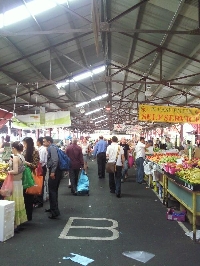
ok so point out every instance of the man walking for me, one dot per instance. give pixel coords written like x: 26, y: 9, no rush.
x: 140, y: 156
x: 74, y: 152
x: 115, y: 153
x: 100, y: 152
x: 55, y: 175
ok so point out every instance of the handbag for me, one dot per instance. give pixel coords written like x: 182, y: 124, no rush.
x: 7, y: 187
x: 36, y: 189
x: 27, y: 178
x: 111, y: 166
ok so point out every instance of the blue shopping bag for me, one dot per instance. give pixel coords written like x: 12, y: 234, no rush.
x: 83, y: 183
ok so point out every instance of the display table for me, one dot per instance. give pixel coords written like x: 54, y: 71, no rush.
x: 187, y: 196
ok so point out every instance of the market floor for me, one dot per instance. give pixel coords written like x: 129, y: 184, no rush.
x: 104, y: 227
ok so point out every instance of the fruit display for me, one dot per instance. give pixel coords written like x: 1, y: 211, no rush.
x: 3, y: 170
x: 184, y: 168
x: 191, y: 175
x: 163, y: 158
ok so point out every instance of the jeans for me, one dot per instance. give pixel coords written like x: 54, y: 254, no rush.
x: 101, y: 161
x: 53, y: 185
x: 115, y: 180
x: 140, y: 169
x: 73, y: 175
x: 124, y: 169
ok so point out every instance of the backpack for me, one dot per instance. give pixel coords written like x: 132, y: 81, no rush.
x: 63, y: 160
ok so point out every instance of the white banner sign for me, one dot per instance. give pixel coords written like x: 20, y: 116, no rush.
x: 127, y: 128
x: 52, y: 120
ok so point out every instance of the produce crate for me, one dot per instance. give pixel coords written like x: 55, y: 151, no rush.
x: 174, y: 215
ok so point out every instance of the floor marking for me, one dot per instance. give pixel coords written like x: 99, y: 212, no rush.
x: 69, y: 226
x: 183, y: 227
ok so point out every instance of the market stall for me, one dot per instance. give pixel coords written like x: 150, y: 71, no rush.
x: 179, y: 177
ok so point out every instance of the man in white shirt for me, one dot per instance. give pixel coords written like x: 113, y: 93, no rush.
x: 43, y: 161
x: 115, y: 153
x: 140, y: 156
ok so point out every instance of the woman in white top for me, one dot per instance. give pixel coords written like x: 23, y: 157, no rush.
x: 85, y: 150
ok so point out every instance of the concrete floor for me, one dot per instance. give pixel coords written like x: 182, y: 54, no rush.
x: 135, y: 222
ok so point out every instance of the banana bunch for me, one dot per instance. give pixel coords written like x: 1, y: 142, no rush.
x: 3, y: 170
x: 190, y: 175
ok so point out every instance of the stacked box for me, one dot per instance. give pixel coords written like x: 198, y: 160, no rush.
x: 7, y: 215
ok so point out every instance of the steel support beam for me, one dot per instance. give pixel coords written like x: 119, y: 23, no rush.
x: 127, y: 11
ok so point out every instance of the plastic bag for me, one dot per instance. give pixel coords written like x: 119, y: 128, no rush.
x: 36, y: 189
x: 7, y: 187
x: 83, y: 183
x: 27, y: 178
x: 141, y: 256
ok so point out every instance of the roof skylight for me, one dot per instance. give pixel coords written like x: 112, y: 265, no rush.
x: 94, y: 111
x: 81, y: 76
x: 22, y: 12
x: 93, y: 100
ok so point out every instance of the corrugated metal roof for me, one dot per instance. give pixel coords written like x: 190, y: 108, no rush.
x: 68, y: 40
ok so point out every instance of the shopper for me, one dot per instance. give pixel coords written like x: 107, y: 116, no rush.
x: 75, y: 154
x: 126, y: 149
x: 197, y: 151
x: 32, y: 159
x: 43, y: 161
x: 100, y: 153
x: 86, y: 151
x: 55, y: 175
x: 16, y: 168
x: 140, y: 156
x: 169, y: 144
x: 189, y: 149
x: 115, y: 153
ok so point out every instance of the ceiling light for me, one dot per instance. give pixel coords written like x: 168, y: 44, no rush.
x: 94, y: 111
x: 98, y: 117
x: 92, y: 100
x: 101, y: 121
x: 81, y: 104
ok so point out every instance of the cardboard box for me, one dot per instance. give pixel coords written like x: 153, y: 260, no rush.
x: 175, y: 215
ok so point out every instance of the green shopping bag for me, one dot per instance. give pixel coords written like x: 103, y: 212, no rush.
x: 27, y: 178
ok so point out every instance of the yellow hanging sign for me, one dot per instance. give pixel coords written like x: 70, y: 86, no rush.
x: 169, y: 114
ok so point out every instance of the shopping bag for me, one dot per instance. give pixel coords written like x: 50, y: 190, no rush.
x: 110, y: 167
x: 83, y: 183
x: 130, y: 161
x: 39, y: 170
x: 27, y: 178
x: 36, y: 189
x: 7, y: 187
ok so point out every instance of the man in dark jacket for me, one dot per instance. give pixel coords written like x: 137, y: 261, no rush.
x: 55, y: 175
x: 74, y: 152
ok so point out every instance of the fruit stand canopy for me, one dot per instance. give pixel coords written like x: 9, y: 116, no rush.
x: 109, y: 56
